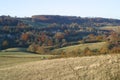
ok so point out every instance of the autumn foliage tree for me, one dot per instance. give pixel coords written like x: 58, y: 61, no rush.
x: 5, y: 44
x: 115, y: 50
x: 42, y: 50
x: 37, y: 49
x: 24, y: 36
x: 59, y: 35
x: 32, y: 48
x: 105, y: 49
x: 99, y: 38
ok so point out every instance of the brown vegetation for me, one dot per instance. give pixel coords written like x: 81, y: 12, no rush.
x: 103, y: 67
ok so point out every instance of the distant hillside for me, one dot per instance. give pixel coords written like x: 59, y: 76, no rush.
x: 44, y: 20
x: 73, y: 19
x: 8, y: 21
x: 81, y: 47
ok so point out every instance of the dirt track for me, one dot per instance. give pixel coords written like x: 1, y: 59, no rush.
x: 103, y: 67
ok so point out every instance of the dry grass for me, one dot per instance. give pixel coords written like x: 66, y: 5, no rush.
x: 92, y: 46
x: 15, y: 50
x: 103, y: 67
x: 110, y: 27
x: 8, y: 59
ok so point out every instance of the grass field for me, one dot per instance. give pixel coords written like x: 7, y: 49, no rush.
x: 8, y: 59
x: 103, y: 67
x: 82, y: 47
x: 35, y: 24
x: 14, y: 56
x: 110, y: 27
x: 16, y: 64
x: 15, y: 50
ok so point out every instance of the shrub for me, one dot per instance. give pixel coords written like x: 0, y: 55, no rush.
x: 32, y: 48
x: 38, y: 49
x: 87, y: 51
x: 104, y: 50
x: 73, y: 53
x: 42, y: 50
x: 115, y: 50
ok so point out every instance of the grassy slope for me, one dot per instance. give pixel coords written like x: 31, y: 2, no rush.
x: 36, y: 24
x: 15, y: 50
x: 8, y: 59
x: 82, y: 47
x: 103, y: 67
x: 110, y: 27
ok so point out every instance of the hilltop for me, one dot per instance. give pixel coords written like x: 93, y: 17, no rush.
x: 43, y: 19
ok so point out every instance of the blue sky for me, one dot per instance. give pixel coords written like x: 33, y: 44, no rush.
x: 83, y: 8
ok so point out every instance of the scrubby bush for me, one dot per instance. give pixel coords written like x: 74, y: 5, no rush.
x: 115, y: 50
x: 87, y: 51
x: 38, y: 49
x: 104, y: 50
x: 32, y: 48
x: 74, y: 53
x: 42, y: 50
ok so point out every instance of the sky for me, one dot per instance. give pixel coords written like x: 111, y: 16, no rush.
x: 82, y: 8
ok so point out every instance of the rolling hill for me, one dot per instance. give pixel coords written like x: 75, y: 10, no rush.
x: 44, y: 20
x: 103, y: 67
x: 81, y: 47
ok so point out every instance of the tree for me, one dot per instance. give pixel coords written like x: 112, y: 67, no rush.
x: 57, y: 43
x: 59, y: 35
x: 5, y: 44
x: 105, y: 49
x: 6, y: 28
x: 114, y: 37
x: 42, y: 50
x: 115, y: 50
x: 64, y: 43
x: 91, y: 37
x: 32, y: 48
x: 24, y: 37
x: 99, y: 38
x: 50, y: 43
